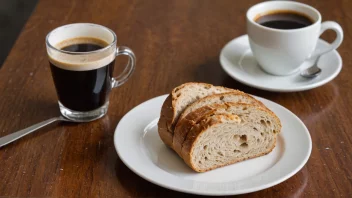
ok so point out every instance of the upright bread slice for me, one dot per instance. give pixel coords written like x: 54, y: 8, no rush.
x: 221, y: 98
x: 178, y: 100
x: 194, y: 113
x: 217, y: 141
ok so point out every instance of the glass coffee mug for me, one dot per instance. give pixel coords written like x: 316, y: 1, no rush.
x: 82, y: 58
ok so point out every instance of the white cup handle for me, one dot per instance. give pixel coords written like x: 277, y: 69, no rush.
x: 330, y: 25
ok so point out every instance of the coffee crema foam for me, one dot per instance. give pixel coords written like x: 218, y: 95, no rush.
x: 81, y: 62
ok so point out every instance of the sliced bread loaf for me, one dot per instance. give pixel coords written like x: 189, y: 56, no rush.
x: 194, y: 113
x: 181, y: 97
x: 233, y: 133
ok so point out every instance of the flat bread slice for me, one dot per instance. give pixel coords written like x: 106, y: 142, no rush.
x: 194, y: 113
x: 219, y: 139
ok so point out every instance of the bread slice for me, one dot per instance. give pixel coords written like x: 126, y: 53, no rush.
x: 194, y: 113
x: 235, y: 97
x: 178, y: 100
x: 232, y: 133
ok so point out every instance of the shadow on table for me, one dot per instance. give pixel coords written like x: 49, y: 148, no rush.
x: 34, y: 110
x: 139, y: 187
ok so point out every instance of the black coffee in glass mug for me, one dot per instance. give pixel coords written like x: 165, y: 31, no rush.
x: 82, y: 58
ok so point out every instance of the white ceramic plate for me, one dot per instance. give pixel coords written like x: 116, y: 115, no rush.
x: 138, y: 145
x: 237, y: 60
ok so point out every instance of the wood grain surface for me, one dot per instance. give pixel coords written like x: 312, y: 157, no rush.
x: 175, y: 41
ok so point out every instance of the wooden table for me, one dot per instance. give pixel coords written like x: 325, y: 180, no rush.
x: 175, y: 42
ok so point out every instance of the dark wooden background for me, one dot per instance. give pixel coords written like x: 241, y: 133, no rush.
x: 13, y: 16
x: 175, y: 41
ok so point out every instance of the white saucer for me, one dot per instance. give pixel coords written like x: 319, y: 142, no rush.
x: 138, y: 145
x: 238, y: 61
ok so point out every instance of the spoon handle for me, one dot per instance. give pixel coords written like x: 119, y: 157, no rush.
x: 17, y: 135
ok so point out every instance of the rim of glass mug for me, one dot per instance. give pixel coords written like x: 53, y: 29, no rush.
x: 61, y: 28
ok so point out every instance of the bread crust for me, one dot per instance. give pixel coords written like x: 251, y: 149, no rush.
x: 165, y: 117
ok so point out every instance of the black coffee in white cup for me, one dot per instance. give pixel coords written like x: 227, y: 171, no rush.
x: 284, y: 34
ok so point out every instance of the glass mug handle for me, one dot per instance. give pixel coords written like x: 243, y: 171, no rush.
x: 330, y: 25
x: 127, y: 72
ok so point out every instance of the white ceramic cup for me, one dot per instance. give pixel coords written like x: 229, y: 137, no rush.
x: 282, y: 51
